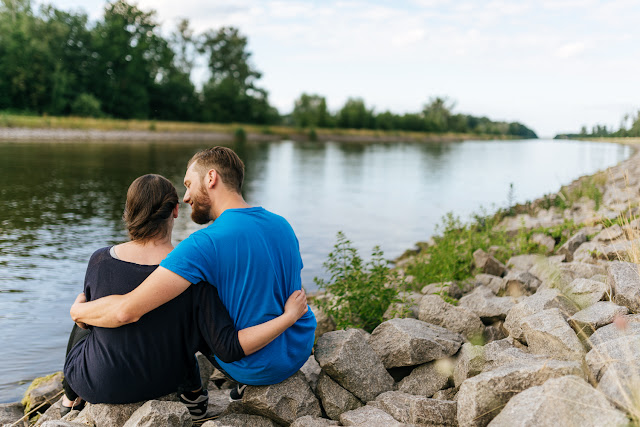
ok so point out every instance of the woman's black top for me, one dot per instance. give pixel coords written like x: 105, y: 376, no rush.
x: 155, y: 355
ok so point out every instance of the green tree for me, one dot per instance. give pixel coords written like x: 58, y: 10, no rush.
x: 436, y: 114
x: 354, y: 115
x: 311, y: 111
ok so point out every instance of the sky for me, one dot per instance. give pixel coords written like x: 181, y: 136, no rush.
x: 554, y: 65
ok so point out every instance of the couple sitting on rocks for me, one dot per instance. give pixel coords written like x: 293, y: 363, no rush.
x: 231, y: 290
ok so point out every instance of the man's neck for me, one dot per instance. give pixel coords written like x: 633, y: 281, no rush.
x: 230, y: 201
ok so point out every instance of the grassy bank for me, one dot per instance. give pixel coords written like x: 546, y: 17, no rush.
x: 279, y: 132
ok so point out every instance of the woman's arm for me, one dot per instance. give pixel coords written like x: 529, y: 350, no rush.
x: 256, y: 337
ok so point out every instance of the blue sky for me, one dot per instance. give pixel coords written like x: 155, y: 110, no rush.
x: 554, y: 65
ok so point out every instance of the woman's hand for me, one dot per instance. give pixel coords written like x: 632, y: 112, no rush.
x: 296, y: 306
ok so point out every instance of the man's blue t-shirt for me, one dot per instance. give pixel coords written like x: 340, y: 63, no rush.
x: 252, y: 256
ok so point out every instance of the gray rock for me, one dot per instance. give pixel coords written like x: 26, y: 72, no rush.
x: 579, y: 270
x: 470, y: 363
x: 487, y: 280
x: 60, y: 423
x: 409, y: 342
x: 408, y: 306
x: 623, y: 251
x: 105, y: 415
x: 218, y: 401
x: 442, y: 288
x: 548, y: 333
x: 523, y: 263
x: 43, y: 391
x: 351, y: 362
x: 368, y: 416
x: 484, y: 304
x: 518, y: 283
x: 324, y: 322
x: 587, y: 252
x: 481, y: 398
x: 52, y: 413
x: 547, y: 242
x: 155, y: 413
x: 206, y: 369
x: 495, y: 332
x: 624, y: 349
x: 446, y: 394
x: 613, y: 331
x: 541, y: 300
x: 488, y: 264
x: 460, y: 320
x: 427, y: 379
x: 585, y: 322
x: 585, y: 292
x: 572, y: 244
x: 506, y: 352
x: 565, y: 401
x: 620, y: 383
x: 335, y: 399
x: 309, y: 421
x: 311, y: 370
x: 408, y: 408
x: 283, y: 402
x: 241, y: 420
x: 10, y: 412
x: 609, y: 234
x: 624, y: 278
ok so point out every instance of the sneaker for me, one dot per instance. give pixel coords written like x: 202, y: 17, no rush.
x: 237, y: 392
x: 64, y: 410
x: 196, y: 403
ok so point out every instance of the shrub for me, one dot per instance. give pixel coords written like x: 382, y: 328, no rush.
x: 240, y: 135
x: 358, y: 293
x: 86, y: 105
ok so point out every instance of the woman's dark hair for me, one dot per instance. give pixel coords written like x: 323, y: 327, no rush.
x: 150, y: 201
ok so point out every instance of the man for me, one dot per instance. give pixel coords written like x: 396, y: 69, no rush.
x: 251, y: 255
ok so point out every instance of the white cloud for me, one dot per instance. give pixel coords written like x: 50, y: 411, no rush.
x: 569, y: 50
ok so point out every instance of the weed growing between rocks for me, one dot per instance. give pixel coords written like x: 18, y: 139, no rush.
x: 358, y: 293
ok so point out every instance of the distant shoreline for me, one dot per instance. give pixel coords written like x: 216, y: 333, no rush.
x: 59, y: 129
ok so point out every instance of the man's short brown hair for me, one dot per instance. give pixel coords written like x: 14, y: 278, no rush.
x: 225, y: 162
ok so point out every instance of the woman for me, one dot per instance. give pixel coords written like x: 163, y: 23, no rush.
x: 155, y: 356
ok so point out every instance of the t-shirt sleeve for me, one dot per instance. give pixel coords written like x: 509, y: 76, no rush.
x: 191, y: 258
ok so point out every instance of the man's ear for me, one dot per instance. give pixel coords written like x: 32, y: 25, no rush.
x: 212, y: 178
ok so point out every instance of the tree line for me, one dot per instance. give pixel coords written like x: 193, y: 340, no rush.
x: 629, y: 127
x: 57, y: 62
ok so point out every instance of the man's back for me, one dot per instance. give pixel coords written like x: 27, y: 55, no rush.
x: 253, y: 258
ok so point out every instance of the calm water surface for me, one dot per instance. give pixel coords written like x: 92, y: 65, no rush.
x: 61, y: 201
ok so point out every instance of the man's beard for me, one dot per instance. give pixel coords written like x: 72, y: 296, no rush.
x: 201, y: 208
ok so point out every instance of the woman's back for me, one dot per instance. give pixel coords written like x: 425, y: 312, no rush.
x: 139, y: 361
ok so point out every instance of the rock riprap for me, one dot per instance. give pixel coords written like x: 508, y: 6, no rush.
x: 350, y: 361
x: 624, y: 278
x: 565, y: 401
x: 412, y: 409
x: 434, y: 310
x: 335, y: 399
x: 409, y: 342
x: 548, y: 333
x: 482, y: 397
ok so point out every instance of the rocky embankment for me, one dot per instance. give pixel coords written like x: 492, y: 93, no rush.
x: 541, y: 340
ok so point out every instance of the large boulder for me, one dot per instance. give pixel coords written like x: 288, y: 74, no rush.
x: 626, y: 326
x: 283, y: 402
x: 218, y: 401
x: 42, y: 392
x: 624, y: 278
x: 565, y: 401
x: 335, y: 399
x: 542, y: 300
x: 427, y: 379
x: 471, y: 360
x: 352, y: 362
x: 409, y: 408
x: 488, y: 264
x: 324, y: 322
x: 621, y: 250
x: 624, y: 349
x: 585, y: 322
x: 11, y: 412
x: 106, y: 415
x: 460, y: 320
x: 369, y: 416
x: 548, y: 333
x: 523, y: 262
x: 609, y: 234
x: 409, y: 342
x: 572, y: 244
x: 585, y: 292
x: 620, y: 383
x: 518, y: 283
x: 241, y: 420
x: 484, y: 304
x: 309, y: 421
x: 155, y: 413
x: 482, y: 397
x: 545, y: 241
